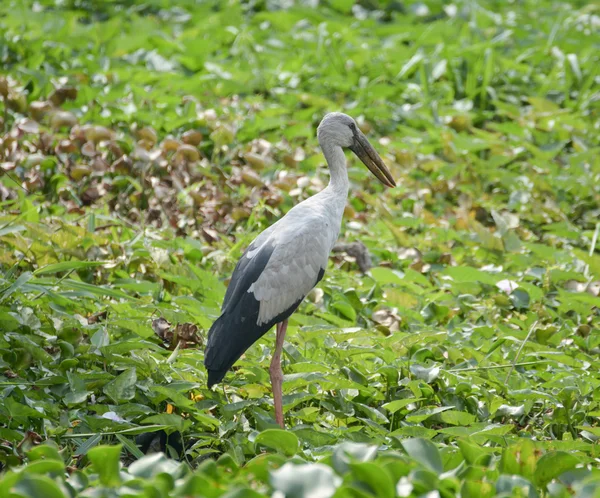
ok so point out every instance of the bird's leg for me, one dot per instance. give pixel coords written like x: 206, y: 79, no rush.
x: 277, y: 373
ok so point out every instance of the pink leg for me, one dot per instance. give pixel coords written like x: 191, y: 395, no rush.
x: 277, y: 373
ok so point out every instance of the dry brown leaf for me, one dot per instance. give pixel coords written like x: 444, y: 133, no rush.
x: 192, y: 137
x: 62, y: 119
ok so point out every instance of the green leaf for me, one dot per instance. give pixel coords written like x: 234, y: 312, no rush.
x: 455, y: 417
x: 425, y: 413
x: 56, y: 467
x: 375, y: 477
x: 105, y: 460
x: 426, y: 374
x: 152, y: 465
x: 348, y: 452
x: 515, y: 486
x: 385, y: 275
x: 520, y: 459
x: 282, y: 441
x: 122, y: 388
x: 47, y: 451
x: 553, y: 464
x: 300, y: 481
x: 424, y: 452
x: 169, y: 420
x: 394, y: 406
x: 467, y: 274
x: 35, y: 486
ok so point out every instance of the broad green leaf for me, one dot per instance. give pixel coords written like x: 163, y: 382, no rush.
x: 374, y: 477
x: 122, y: 388
x: 46, y: 467
x: 520, y: 459
x: 425, y: 413
x: 455, y: 417
x: 105, y: 460
x: 553, y: 464
x: 394, y: 406
x: 299, y: 481
x: 46, y: 451
x: 348, y: 452
x: 283, y: 441
x: 515, y: 485
x: 424, y: 452
x: 152, y: 465
x: 33, y: 485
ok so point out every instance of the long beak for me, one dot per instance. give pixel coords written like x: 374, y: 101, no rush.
x: 368, y: 155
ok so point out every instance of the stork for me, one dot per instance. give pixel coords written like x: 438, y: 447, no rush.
x: 281, y: 266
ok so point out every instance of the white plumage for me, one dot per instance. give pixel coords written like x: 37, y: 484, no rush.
x: 302, y: 242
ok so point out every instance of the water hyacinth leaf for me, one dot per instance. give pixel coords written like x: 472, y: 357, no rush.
x: 46, y: 467
x: 171, y: 421
x: 122, y: 388
x: 374, y: 477
x: 415, y: 431
x: 152, y: 465
x: 386, y: 276
x: 510, y: 411
x: 520, y: 459
x: 283, y: 441
x: 372, y: 413
x: 552, y: 465
x: 425, y: 413
x: 347, y: 452
x: 455, y: 417
x: 394, y: 406
x: 32, y: 485
x: 46, y: 451
x: 520, y: 299
x: 514, y: 484
x: 105, y: 460
x: 299, y: 481
x: 315, y: 438
x: 426, y: 374
x: 424, y: 452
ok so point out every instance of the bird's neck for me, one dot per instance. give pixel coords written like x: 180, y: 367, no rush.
x: 338, y: 181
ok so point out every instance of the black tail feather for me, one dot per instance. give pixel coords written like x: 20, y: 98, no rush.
x: 233, y: 333
x: 215, y: 376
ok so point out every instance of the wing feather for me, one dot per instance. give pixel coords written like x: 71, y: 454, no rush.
x: 269, y: 282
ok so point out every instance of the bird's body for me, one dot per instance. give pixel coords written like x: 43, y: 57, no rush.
x: 283, y: 264
x: 275, y: 273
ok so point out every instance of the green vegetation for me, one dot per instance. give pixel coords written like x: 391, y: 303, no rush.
x: 144, y: 144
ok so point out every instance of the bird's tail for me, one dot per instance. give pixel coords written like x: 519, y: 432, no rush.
x: 233, y: 333
x: 214, y: 358
x: 215, y: 376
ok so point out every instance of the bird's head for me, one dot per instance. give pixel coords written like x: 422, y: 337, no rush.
x: 338, y: 129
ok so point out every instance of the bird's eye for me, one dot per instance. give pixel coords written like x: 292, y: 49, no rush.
x: 353, y: 127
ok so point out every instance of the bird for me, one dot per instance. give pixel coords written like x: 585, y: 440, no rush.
x: 284, y: 262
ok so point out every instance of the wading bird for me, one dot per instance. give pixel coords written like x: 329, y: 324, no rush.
x: 288, y: 259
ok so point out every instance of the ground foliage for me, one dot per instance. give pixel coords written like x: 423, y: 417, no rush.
x: 144, y: 144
